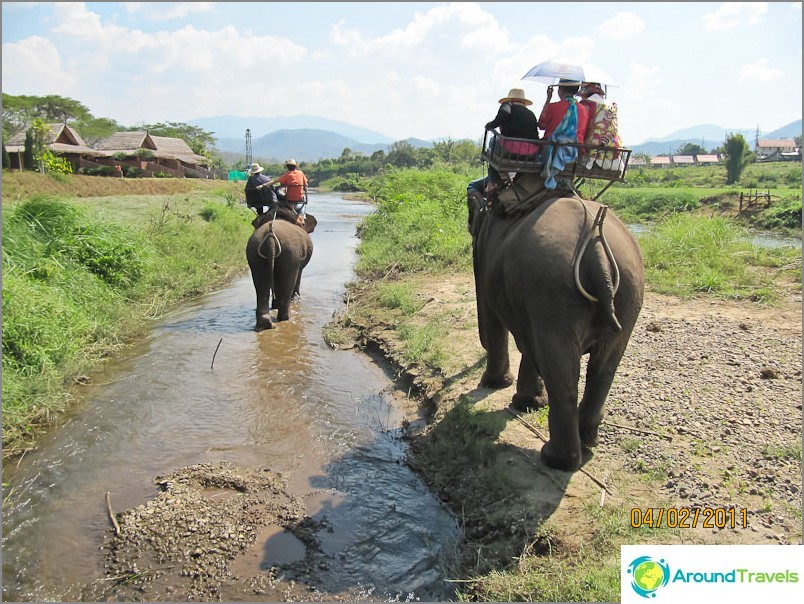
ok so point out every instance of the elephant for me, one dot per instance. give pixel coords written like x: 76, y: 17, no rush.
x: 277, y: 253
x: 529, y: 284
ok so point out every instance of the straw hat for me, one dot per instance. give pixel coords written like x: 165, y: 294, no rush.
x: 516, y: 95
x: 255, y: 169
x: 291, y: 162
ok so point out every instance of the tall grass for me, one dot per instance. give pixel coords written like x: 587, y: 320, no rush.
x: 687, y: 255
x: 419, y: 225
x: 77, y: 285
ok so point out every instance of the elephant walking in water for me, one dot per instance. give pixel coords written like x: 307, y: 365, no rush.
x: 545, y: 275
x: 277, y: 253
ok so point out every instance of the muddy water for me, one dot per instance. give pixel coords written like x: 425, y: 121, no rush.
x: 280, y: 399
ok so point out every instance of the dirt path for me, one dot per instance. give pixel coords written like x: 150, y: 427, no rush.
x: 705, y: 413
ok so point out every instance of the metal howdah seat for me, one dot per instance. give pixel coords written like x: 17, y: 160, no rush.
x: 507, y: 154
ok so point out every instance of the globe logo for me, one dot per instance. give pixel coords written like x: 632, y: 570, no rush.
x: 648, y: 575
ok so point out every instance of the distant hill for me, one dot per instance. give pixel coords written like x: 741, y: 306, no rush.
x: 709, y: 137
x: 234, y: 127
x: 304, y: 144
x: 310, y: 138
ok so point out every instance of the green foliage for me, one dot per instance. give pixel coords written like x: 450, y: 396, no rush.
x: 196, y: 138
x: 94, y: 130
x: 785, y: 214
x: 737, y: 151
x: 688, y: 254
x: 420, y: 223
x: 399, y: 295
x: 76, y: 285
x: 640, y: 205
x: 55, y: 165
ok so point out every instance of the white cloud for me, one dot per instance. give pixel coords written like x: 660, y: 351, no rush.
x: 471, y: 25
x: 167, y: 10
x: 733, y: 14
x: 761, y: 71
x: 34, y: 66
x: 622, y: 26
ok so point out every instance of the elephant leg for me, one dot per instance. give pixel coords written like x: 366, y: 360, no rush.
x: 530, y: 394
x: 285, y: 282
x: 296, y: 288
x: 261, y: 277
x: 498, y: 366
x: 603, y: 362
x: 561, y: 375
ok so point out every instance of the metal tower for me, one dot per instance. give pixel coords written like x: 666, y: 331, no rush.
x: 248, y: 147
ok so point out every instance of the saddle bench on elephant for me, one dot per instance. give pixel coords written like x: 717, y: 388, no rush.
x: 281, y: 211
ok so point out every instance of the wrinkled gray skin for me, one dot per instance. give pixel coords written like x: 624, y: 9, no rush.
x: 277, y: 272
x: 525, y: 285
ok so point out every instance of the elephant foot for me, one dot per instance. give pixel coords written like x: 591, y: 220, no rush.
x: 589, y: 437
x: 526, y: 404
x: 587, y: 429
x: 283, y: 317
x: 264, y: 322
x: 553, y: 459
x: 496, y: 381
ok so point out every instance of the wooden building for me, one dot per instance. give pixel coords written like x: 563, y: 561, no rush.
x: 62, y: 141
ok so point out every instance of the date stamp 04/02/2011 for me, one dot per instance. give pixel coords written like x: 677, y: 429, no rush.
x: 703, y: 517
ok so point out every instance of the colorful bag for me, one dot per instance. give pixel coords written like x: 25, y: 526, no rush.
x: 602, y: 131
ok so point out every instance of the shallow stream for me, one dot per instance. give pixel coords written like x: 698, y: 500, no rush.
x: 280, y: 399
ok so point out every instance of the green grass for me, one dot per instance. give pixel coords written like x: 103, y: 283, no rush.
x: 79, y: 281
x: 687, y: 255
x: 419, y: 225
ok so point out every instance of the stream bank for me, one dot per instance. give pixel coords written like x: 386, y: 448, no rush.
x: 705, y: 413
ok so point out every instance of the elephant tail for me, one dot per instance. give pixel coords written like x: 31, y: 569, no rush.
x: 603, y: 271
x: 274, y: 253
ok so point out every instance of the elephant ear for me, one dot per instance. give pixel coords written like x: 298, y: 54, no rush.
x: 309, y: 223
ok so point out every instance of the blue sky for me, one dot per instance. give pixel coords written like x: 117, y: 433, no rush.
x: 427, y: 70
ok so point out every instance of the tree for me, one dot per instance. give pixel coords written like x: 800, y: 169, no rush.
x: 93, y: 130
x: 402, y: 154
x: 690, y: 149
x: 197, y: 138
x: 39, y: 130
x: 17, y: 113
x: 28, y: 151
x: 59, y: 108
x: 736, y: 150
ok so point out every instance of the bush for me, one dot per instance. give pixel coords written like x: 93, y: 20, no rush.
x: 101, y: 171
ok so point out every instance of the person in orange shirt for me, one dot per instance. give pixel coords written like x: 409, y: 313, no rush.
x: 296, y: 183
x: 553, y: 113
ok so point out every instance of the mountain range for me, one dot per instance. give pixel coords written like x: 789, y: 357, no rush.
x: 311, y: 138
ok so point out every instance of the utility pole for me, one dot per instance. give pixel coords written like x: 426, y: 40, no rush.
x: 248, y: 148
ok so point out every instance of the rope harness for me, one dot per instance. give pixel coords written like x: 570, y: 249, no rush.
x: 597, y: 222
x: 264, y: 239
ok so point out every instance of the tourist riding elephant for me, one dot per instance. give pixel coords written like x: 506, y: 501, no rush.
x: 528, y: 283
x: 277, y: 252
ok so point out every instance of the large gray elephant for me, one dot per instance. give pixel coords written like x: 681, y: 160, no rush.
x: 277, y: 252
x: 528, y: 283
